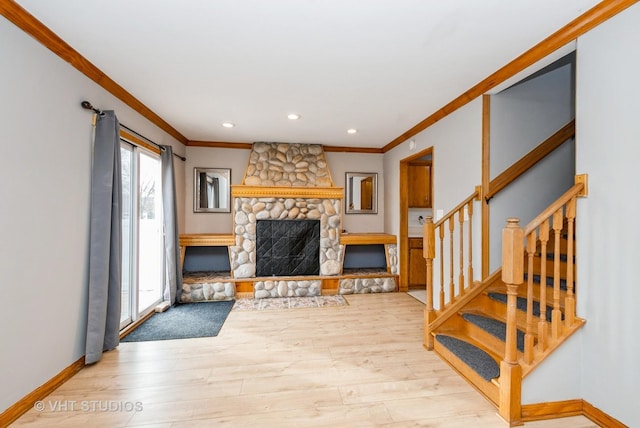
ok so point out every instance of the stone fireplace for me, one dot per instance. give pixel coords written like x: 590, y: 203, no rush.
x: 286, y: 182
x: 289, y: 186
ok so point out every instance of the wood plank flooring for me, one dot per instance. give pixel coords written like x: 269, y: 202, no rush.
x: 358, y: 365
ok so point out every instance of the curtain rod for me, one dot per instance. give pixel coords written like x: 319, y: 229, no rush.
x: 87, y: 106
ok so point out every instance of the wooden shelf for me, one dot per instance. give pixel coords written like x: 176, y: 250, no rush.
x: 203, y: 240
x: 207, y: 240
x: 367, y: 238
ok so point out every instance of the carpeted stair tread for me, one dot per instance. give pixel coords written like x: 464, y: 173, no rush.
x: 474, y: 357
x: 495, y: 328
x: 522, y: 304
x: 536, y: 278
x: 563, y: 257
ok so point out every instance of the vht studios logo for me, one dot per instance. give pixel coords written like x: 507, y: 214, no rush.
x: 87, y: 406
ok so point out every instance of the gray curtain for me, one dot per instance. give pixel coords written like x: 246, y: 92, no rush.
x: 173, y: 270
x: 105, y: 247
x: 204, y: 190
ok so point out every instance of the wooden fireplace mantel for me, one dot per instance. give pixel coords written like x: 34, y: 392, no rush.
x: 239, y: 191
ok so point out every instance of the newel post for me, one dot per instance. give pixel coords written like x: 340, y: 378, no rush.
x: 429, y: 253
x: 512, y: 275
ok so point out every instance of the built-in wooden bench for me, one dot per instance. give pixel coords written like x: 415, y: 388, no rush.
x: 204, y: 240
x: 355, y: 276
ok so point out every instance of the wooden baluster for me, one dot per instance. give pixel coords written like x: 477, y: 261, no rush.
x: 556, y: 314
x: 528, y: 337
x: 461, y: 233
x: 452, y: 285
x: 469, y: 219
x: 429, y: 253
x: 510, y: 407
x: 441, y: 229
x: 570, y: 301
x: 543, y: 324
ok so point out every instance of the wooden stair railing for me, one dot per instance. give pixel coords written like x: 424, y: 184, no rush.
x: 533, y: 241
x: 509, y: 406
x: 544, y: 229
x: 542, y: 255
x: 454, y: 292
x: 543, y: 149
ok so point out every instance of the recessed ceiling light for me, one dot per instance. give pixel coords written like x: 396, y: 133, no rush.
x: 228, y: 124
x: 293, y: 116
x: 352, y: 131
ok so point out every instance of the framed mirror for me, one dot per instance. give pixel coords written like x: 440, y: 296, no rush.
x: 211, y: 190
x: 361, y: 193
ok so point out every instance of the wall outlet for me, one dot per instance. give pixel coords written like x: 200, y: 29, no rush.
x: 439, y: 214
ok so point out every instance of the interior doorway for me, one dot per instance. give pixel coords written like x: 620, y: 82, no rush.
x: 416, y: 203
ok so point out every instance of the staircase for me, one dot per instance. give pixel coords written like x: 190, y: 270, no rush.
x: 496, y: 331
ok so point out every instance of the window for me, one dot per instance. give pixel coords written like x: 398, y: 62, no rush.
x: 142, y: 240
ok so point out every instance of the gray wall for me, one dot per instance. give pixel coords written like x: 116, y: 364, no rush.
x: 237, y: 160
x: 521, y: 117
x: 45, y: 180
x: 341, y: 163
x: 205, y: 157
x: 457, y: 158
x: 608, y: 149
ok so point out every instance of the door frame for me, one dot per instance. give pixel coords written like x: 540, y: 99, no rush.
x: 404, y: 213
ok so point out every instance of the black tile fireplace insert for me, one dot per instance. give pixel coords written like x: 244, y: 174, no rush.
x: 287, y: 247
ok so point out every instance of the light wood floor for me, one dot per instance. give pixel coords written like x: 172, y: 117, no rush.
x: 357, y: 365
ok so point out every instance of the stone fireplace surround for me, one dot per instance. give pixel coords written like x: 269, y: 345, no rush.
x: 249, y: 209
x: 292, y: 182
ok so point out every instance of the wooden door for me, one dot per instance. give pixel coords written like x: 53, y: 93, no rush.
x: 420, y: 184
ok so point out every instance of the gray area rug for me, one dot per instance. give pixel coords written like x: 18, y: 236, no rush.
x: 183, y: 321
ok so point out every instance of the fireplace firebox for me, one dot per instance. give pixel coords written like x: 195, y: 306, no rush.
x: 287, y: 247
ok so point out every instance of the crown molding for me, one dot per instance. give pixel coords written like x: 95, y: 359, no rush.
x: 219, y: 145
x: 229, y: 145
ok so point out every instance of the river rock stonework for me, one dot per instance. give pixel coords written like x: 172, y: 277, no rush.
x: 249, y: 210
x: 287, y: 288
x: 366, y: 285
x: 208, y: 291
x: 286, y: 165
x: 392, y: 258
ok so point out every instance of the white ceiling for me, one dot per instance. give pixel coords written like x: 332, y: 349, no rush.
x: 380, y: 66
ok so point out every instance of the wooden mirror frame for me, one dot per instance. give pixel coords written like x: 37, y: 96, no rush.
x: 221, y: 176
